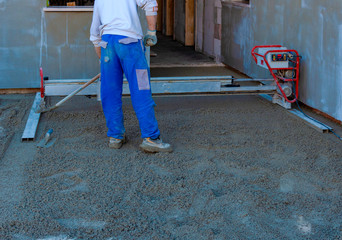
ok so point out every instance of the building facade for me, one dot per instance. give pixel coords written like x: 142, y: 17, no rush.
x: 33, y: 35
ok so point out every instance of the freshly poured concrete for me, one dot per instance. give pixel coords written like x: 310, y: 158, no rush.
x: 241, y: 169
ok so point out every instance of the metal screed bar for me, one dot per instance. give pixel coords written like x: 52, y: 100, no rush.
x: 159, y: 85
x: 310, y: 122
x: 33, y: 120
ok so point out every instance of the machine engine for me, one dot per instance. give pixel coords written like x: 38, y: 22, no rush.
x: 283, y: 65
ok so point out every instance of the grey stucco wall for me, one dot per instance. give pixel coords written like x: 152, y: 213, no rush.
x: 199, y: 25
x: 179, y: 25
x: 20, y: 43
x: 67, y: 52
x: 312, y: 27
x: 30, y: 38
x: 209, y: 27
x: 57, y: 41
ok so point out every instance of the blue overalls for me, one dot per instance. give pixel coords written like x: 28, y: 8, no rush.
x: 116, y: 59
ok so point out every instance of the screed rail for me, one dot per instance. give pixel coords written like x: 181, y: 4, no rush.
x: 159, y: 85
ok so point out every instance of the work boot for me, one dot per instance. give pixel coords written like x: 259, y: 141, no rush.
x: 155, y: 145
x: 116, y: 143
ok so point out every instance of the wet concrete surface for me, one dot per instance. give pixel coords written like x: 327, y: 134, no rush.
x: 241, y: 169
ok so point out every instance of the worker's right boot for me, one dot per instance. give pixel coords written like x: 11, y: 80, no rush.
x: 116, y: 143
x: 155, y: 145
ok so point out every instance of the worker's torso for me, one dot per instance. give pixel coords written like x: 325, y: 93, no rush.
x: 119, y: 17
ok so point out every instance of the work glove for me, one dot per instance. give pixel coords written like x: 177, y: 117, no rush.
x: 150, y: 38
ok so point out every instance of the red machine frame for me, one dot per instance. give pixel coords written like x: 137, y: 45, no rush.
x: 42, y: 89
x: 275, y: 77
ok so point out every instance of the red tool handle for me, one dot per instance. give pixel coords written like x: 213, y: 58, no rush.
x: 42, y: 89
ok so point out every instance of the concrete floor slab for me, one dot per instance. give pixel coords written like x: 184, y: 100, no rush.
x: 241, y: 169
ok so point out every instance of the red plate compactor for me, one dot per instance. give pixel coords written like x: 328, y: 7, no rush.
x: 283, y: 65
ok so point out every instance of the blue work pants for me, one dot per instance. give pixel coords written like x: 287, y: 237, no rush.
x: 129, y: 58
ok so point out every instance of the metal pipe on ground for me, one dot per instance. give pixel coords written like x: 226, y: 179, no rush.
x: 42, y: 110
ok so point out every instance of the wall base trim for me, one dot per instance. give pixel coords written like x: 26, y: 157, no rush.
x: 19, y: 90
x: 34, y: 90
x: 323, y: 114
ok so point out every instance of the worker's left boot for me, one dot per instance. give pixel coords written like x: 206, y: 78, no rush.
x: 155, y: 145
x: 116, y: 143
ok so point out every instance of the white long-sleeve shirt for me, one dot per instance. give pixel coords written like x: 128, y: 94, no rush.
x: 119, y: 17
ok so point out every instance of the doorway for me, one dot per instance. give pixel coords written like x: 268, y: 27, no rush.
x: 195, y: 23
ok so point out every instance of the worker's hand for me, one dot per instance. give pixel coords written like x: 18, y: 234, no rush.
x: 98, y: 52
x: 150, y: 38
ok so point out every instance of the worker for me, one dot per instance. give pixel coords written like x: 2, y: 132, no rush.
x: 117, y: 36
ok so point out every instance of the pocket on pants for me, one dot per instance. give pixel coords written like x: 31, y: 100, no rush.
x: 103, y: 44
x: 142, y: 78
x: 128, y: 40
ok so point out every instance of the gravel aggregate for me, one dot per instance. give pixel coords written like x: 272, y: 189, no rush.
x: 241, y: 169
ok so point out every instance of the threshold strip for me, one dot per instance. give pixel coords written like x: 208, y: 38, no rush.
x: 310, y: 121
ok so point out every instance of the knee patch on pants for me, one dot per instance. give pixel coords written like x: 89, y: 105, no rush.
x: 142, y: 79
